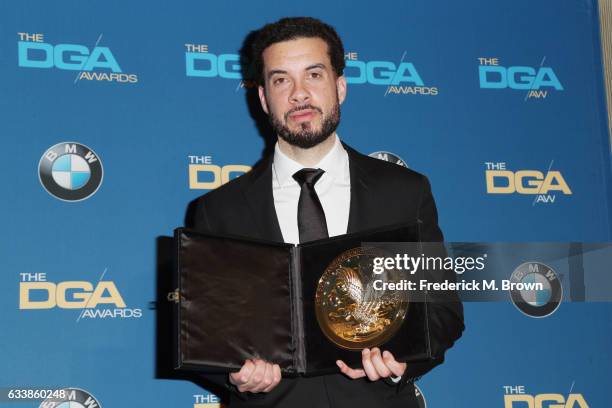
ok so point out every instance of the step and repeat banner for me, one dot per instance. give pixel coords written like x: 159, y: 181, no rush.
x: 115, y: 115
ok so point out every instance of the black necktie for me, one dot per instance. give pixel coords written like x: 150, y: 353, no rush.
x: 311, y: 218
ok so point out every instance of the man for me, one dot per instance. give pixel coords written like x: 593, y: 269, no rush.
x: 312, y: 187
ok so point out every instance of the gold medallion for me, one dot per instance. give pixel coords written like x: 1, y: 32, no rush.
x: 351, y: 313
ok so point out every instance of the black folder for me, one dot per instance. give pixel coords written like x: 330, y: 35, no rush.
x: 239, y: 299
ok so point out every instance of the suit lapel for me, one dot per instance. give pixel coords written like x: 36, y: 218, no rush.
x: 260, y: 201
x: 358, y: 210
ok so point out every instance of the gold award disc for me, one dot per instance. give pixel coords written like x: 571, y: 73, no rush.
x: 350, y: 312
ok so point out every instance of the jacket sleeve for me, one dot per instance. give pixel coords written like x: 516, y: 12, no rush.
x: 445, y: 311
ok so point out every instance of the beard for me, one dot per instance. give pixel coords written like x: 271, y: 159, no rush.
x: 307, y: 137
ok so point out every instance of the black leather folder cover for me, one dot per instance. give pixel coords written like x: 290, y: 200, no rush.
x: 240, y: 299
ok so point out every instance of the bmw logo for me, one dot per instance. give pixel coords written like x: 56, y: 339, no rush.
x: 536, y: 302
x: 421, y: 402
x: 70, y: 171
x: 390, y: 157
x: 70, y: 398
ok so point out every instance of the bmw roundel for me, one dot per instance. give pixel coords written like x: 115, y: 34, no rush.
x: 541, y: 292
x: 70, y: 171
x: 389, y: 157
x: 421, y: 402
x: 70, y: 398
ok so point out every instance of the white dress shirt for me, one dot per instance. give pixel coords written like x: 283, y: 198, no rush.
x: 333, y: 189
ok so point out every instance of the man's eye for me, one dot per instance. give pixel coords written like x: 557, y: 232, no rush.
x: 315, y: 75
x: 278, y: 81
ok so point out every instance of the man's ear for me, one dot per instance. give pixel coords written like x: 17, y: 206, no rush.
x: 341, y: 87
x: 262, y: 99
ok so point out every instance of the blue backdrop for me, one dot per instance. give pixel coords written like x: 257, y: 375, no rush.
x: 464, y: 92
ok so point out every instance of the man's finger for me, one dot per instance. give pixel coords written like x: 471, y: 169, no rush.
x: 368, y: 367
x: 277, y: 374
x: 242, y: 376
x: 350, y: 372
x: 396, y: 367
x: 258, y: 373
x: 276, y: 377
x: 266, y: 379
x: 379, y: 364
x: 256, y: 376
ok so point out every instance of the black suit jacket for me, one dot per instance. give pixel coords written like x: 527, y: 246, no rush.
x: 382, y: 194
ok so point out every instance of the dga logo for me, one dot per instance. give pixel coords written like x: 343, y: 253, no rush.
x: 207, y: 400
x: 421, y: 402
x: 34, y: 52
x: 543, y: 186
x: 516, y: 397
x: 402, y: 78
x: 199, y: 62
x: 388, y: 157
x: 537, y: 81
x: 94, y: 300
x: 71, y: 398
x: 204, y: 175
x: 534, y: 302
x: 70, y: 171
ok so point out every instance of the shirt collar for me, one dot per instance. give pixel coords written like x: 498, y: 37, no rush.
x: 334, y: 164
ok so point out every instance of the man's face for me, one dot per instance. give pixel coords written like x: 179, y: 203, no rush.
x: 302, y: 93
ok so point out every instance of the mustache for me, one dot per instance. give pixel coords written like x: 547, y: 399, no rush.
x: 301, y: 108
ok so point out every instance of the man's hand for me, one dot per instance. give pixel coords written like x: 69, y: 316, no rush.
x: 376, y: 365
x: 256, y: 376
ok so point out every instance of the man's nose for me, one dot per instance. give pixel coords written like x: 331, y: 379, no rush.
x: 299, y: 93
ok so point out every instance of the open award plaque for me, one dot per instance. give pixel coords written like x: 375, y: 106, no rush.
x: 302, y: 307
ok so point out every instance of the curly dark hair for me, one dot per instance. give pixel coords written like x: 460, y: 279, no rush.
x: 291, y: 28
